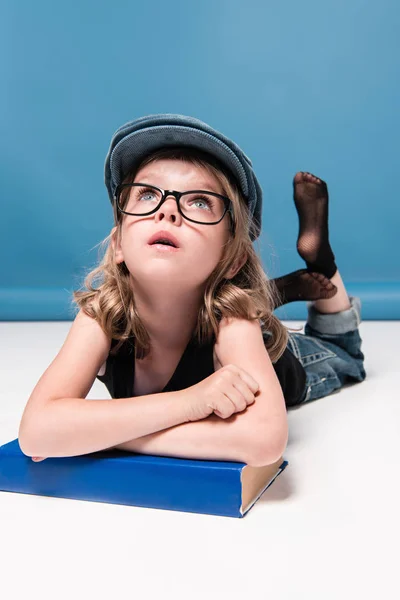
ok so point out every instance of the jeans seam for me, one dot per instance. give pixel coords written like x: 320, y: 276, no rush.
x: 324, y: 352
x: 295, y: 348
x: 311, y: 386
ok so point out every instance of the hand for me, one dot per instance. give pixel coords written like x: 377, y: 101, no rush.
x: 229, y: 390
x: 38, y: 458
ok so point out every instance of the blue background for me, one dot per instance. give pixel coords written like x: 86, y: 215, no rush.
x: 309, y: 85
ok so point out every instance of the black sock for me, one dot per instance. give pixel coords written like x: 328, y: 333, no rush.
x: 303, y: 285
x: 311, y: 199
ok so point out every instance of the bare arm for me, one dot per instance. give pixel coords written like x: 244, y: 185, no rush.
x: 256, y: 436
x: 209, y: 439
x: 75, y: 426
x: 56, y: 424
x: 58, y: 419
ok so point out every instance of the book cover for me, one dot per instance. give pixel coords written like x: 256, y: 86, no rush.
x: 221, y: 488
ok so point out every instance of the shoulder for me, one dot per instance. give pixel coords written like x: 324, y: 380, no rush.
x: 235, y: 324
x: 236, y: 337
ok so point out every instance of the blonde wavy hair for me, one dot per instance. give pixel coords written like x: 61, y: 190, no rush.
x: 248, y: 295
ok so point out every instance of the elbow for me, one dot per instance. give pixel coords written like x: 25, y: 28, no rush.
x: 32, y: 447
x: 268, y: 449
x: 24, y: 444
x: 28, y: 442
x: 36, y: 434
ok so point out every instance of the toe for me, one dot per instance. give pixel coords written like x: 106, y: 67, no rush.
x: 298, y: 178
x: 318, y: 276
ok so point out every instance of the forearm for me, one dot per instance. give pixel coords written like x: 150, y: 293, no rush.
x: 211, y: 438
x: 76, y: 426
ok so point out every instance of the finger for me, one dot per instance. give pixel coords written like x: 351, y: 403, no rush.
x: 244, y: 389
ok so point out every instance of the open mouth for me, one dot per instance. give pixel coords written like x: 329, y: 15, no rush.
x: 164, y: 245
x: 164, y: 238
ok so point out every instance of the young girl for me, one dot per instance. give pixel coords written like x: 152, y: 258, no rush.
x: 175, y: 316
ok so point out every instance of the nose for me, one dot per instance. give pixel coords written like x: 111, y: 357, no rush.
x: 169, y: 206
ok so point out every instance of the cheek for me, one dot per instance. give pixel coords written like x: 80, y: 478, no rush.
x: 209, y: 256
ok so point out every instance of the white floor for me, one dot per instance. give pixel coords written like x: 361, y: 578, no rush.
x: 328, y: 528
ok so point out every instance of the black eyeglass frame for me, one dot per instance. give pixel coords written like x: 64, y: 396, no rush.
x: 165, y: 193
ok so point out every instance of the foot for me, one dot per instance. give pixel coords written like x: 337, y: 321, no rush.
x: 310, y: 196
x: 303, y: 285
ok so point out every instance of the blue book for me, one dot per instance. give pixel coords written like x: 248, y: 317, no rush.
x: 224, y: 488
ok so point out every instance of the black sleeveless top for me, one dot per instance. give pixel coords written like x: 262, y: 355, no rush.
x: 195, y: 365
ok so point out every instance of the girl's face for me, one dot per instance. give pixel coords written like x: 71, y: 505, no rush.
x: 200, y: 246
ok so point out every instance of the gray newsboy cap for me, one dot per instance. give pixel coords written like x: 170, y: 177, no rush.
x: 136, y: 139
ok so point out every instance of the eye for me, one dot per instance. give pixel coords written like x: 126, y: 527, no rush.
x: 145, y: 190
x: 206, y: 199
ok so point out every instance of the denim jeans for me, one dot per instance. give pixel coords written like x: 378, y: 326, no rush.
x: 329, y: 350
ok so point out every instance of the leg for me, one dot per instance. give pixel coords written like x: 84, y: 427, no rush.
x: 311, y: 200
x: 339, y: 302
x: 329, y: 349
x: 310, y: 196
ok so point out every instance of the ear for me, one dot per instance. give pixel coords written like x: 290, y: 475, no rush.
x: 237, y: 265
x: 119, y: 257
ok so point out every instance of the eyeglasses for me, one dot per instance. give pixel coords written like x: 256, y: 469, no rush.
x: 199, y: 206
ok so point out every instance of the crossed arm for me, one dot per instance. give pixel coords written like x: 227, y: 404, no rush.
x: 211, y: 438
x: 256, y: 436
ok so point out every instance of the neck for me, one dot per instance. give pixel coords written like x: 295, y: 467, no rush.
x: 170, y: 316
